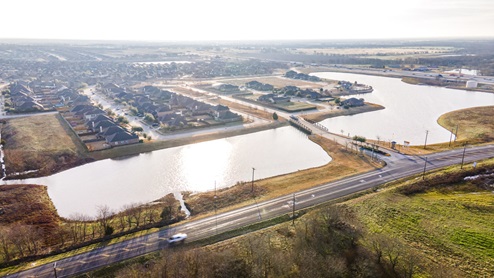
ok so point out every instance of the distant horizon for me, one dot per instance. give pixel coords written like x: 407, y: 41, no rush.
x: 253, y: 41
x: 254, y: 20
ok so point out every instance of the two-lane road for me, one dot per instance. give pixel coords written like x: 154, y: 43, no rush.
x: 399, y: 166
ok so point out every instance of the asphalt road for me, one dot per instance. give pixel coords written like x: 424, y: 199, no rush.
x: 402, y: 73
x: 399, y: 166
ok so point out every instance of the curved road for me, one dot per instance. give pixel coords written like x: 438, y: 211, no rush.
x: 398, y: 166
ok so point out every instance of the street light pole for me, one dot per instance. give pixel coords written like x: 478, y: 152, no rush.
x: 215, y: 214
x: 426, y: 133
x: 425, y: 165
x: 463, y: 156
x: 293, y: 210
x: 450, y: 136
x: 252, y: 184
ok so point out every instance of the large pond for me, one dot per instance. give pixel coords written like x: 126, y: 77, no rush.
x: 196, y: 167
x: 411, y: 110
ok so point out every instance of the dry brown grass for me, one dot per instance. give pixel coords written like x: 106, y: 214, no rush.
x: 344, y: 164
x: 317, y: 117
x: 27, y: 204
x: 38, y: 133
x: 474, y: 124
x: 40, y: 143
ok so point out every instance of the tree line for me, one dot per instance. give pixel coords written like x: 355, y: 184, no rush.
x: 22, y: 241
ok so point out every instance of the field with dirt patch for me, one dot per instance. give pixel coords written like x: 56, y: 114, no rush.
x: 40, y: 143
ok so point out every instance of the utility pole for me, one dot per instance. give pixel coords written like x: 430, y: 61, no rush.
x: 426, y: 133
x: 450, y: 136
x: 463, y: 156
x: 252, y: 184
x: 293, y: 210
x: 215, y: 215
x: 456, y: 132
x: 425, y: 165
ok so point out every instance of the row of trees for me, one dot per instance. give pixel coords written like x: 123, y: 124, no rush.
x: 21, y: 240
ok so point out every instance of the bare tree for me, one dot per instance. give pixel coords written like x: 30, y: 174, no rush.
x: 5, y: 244
x: 122, y: 218
x: 393, y: 251
x: 135, y: 213
x: 149, y: 214
x: 377, y: 241
x: 17, y: 240
x: 409, y: 264
x: 104, y: 217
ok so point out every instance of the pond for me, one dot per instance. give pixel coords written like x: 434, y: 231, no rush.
x: 196, y: 167
x: 411, y: 111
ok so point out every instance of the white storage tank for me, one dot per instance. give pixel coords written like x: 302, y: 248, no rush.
x: 471, y: 84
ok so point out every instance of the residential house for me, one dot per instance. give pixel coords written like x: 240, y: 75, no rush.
x: 308, y: 93
x: 352, y: 102
x: 172, y: 120
x: 256, y: 85
x: 122, y: 138
x: 110, y: 131
x: 226, y: 88
x: 86, y: 112
x: 101, y: 125
x: 162, y: 110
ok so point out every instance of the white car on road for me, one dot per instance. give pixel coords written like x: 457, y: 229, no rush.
x: 177, y: 238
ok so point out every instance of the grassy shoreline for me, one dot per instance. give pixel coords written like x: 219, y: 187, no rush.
x: 317, y: 117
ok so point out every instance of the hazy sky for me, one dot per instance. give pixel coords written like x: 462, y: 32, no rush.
x: 245, y: 19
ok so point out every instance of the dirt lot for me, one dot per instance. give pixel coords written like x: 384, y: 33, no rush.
x: 40, y: 143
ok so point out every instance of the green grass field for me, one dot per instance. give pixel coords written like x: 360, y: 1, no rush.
x: 450, y: 226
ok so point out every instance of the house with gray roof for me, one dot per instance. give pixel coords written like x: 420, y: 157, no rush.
x: 122, y: 138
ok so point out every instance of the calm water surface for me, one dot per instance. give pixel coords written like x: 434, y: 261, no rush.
x: 195, y: 167
x: 410, y: 109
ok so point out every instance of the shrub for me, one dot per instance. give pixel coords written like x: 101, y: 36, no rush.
x: 109, y: 230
